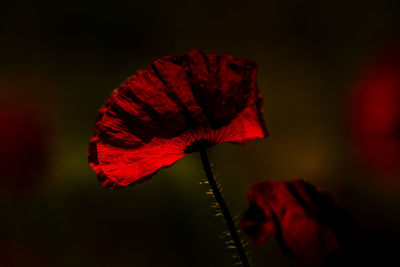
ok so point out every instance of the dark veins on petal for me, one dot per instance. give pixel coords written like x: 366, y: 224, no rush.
x: 220, y: 87
x: 221, y: 97
x: 189, y: 119
x: 159, y: 124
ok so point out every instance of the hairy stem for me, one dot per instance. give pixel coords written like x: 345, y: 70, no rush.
x: 224, y: 208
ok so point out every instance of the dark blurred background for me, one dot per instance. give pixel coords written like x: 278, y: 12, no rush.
x: 60, y: 60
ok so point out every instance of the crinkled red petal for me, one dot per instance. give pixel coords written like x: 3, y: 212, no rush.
x: 170, y: 108
x: 306, y: 221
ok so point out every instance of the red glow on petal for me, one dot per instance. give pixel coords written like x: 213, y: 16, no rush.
x: 170, y: 108
x: 306, y: 221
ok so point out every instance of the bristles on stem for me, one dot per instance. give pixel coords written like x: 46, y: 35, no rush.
x: 222, y: 210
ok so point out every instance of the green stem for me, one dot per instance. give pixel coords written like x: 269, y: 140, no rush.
x: 224, y: 208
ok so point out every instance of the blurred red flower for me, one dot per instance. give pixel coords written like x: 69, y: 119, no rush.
x: 375, y: 114
x: 24, y: 146
x: 306, y: 221
x: 17, y: 253
x: 175, y: 106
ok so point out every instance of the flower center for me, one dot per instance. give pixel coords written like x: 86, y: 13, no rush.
x: 197, y: 145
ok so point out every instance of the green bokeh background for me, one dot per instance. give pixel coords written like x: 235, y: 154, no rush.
x: 76, y: 52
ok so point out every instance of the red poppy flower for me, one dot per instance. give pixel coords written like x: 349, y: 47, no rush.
x: 306, y: 221
x: 173, y: 107
x: 375, y: 114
